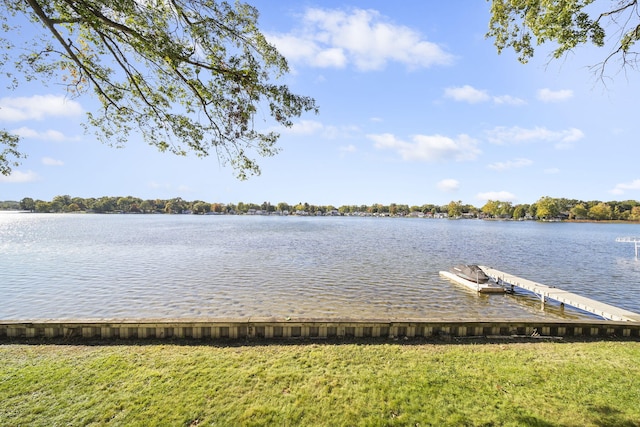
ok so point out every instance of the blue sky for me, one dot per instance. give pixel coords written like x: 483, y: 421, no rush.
x: 416, y: 107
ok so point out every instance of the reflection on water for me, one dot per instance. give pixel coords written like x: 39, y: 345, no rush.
x: 138, y: 266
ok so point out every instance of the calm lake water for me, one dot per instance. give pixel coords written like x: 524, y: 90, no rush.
x: 186, y: 266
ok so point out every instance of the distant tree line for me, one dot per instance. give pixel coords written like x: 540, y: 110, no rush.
x: 546, y: 208
x: 549, y: 208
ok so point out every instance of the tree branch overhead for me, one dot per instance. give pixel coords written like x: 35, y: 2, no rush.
x: 522, y: 25
x: 188, y: 75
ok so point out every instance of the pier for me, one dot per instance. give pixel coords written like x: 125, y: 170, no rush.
x: 545, y: 292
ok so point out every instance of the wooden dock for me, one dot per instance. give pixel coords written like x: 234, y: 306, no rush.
x: 598, y: 308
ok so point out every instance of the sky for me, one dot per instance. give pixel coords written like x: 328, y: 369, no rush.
x: 416, y: 107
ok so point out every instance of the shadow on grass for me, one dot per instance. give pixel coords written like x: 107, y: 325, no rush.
x: 610, y: 416
x: 534, y: 422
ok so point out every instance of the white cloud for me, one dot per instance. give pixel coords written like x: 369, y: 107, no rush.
x: 508, y: 100
x: 570, y: 136
x: 429, y: 148
x: 503, y: 196
x: 48, y: 135
x: 622, y: 187
x: 299, y: 49
x: 348, y: 149
x: 514, y: 135
x: 448, y: 185
x: 304, y: 127
x: 472, y: 95
x: 466, y: 93
x: 364, y: 38
x: 313, y: 127
x: 48, y: 161
x: 37, y: 107
x: 548, y: 95
x: 20, y: 177
x: 510, y: 164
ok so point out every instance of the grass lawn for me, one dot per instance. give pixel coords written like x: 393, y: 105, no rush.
x: 315, y: 384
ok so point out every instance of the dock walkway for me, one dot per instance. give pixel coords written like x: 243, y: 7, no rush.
x: 598, y: 308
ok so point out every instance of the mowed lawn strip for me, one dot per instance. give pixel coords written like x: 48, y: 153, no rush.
x: 545, y: 384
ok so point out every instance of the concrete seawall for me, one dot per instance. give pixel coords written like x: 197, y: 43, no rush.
x: 270, y: 328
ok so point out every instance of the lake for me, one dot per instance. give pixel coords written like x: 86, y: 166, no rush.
x: 85, y: 266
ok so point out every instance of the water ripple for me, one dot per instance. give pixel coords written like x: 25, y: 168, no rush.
x: 134, y: 266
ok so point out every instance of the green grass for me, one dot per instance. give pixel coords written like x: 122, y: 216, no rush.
x: 372, y: 384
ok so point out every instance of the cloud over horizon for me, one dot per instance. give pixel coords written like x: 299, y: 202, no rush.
x: 314, y: 127
x: 48, y: 135
x: 466, y: 93
x: 429, y: 148
x: 472, y: 95
x: 18, y: 177
x: 548, y: 95
x: 448, y: 185
x: 334, y: 38
x: 48, y: 161
x: 623, y: 187
x: 510, y: 164
x: 505, y: 136
x: 37, y: 107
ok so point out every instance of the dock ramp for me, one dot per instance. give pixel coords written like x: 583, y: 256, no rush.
x: 598, y: 308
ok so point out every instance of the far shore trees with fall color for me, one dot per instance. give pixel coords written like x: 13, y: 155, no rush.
x: 545, y: 208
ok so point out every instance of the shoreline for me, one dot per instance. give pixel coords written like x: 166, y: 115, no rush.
x: 302, y: 328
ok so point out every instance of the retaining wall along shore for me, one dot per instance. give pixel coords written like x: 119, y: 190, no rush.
x: 248, y: 328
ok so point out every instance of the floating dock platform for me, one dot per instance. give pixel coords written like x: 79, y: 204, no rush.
x: 598, y: 308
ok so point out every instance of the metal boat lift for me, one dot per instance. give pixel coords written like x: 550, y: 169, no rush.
x: 634, y: 240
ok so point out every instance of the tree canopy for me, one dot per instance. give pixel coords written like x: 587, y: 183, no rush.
x: 523, y: 24
x: 190, y: 75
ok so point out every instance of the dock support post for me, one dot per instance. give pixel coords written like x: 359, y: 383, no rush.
x: 542, y: 300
